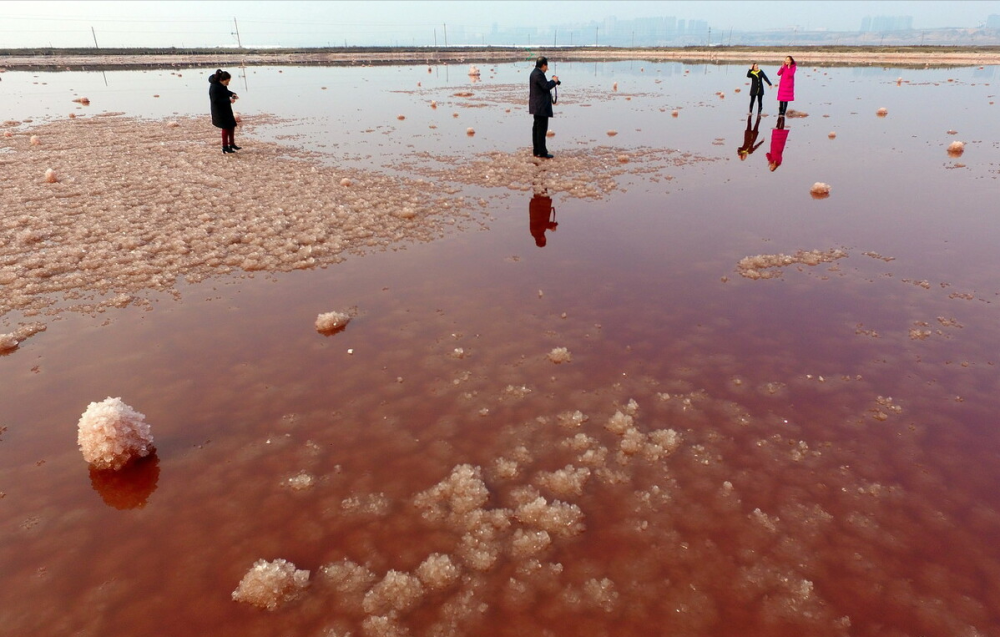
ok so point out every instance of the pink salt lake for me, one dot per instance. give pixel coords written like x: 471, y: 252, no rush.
x: 836, y: 468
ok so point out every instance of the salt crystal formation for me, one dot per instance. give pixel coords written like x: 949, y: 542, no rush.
x: 8, y: 342
x: 820, y: 190
x: 955, y: 149
x: 110, y: 434
x: 882, y: 112
x: 34, y: 141
x: 50, y: 176
x: 832, y: 135
x: 768, y: 266
x: 560, y: 355
x: 331, y: 322
x: 470, y: 131
x: 438, y: 571
x: 157, y: 213
x: 473, y: 70
x: 271, y: 584
x: 612, y: 133
x: 675, y: 113
x: 550, y: 133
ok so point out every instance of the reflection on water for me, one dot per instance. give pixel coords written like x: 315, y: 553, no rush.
x: 130, y: 487
x: 809, y: 454
x: 542, y: 217
x: 779, y: 137
x: 750, y: 143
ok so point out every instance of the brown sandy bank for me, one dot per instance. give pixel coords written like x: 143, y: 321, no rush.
x: 142, y: 58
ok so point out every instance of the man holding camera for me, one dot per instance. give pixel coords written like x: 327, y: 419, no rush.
x: 540, y: 105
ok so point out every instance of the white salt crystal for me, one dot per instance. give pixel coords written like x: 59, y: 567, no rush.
x: 110, y: 434
x: 270, y: 584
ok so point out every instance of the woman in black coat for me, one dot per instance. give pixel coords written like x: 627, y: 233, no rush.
x: 757, y: 79
x: 222, y: 108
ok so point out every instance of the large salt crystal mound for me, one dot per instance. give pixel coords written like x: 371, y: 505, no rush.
x: 271, y: 584
x: 110, y: 434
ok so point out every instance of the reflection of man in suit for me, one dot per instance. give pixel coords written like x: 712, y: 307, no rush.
x: 542, y: 217
x: 749, y: 137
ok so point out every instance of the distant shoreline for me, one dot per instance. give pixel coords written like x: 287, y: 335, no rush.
x: 108, y: 59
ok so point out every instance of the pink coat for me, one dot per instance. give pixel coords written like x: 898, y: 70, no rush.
x: 786, y: 86
x: 778, y: 138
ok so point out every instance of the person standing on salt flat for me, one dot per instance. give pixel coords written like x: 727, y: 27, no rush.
x: 222, y: 108
x: 540, y: 105
x: 786, y: 85
x: 757, y: 79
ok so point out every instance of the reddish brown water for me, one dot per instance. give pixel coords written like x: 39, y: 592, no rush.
x: 837, y: 473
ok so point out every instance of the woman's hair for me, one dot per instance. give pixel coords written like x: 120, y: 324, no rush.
x: 792, y: 59
x: 218, y: 76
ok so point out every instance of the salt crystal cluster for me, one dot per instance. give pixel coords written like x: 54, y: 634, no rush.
x: 474, y: 70
x: 8, y: 342
x: 470, y: 131
x: 612, y: 133
x: 271, y: 584
x: 396, y: 592
x: 768, y: 266
x: 331, y: 322
x: 956, y: 148
x: 438, y: 571
x: 550, y: 133
x: 110, y: 434
x: 882, y: 112
x: 560, y: 355
x: 820, y: 190
x: 34, y: 141
x: 832, y: 135
x: 50, y: 176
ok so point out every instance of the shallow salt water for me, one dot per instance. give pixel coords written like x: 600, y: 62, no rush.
x: 810, y: 452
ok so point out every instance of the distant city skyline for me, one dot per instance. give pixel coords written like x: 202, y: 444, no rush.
x: 113, y: 24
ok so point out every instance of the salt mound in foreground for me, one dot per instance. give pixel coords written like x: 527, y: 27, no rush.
x: 110, y: 434
x: 270, y: 584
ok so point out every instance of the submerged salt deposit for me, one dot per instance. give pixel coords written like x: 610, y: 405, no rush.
x: 111, y: 434
x: 271, y: 584
x: 125, y: 218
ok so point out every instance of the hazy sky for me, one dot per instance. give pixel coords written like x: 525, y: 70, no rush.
x: 290, y: 23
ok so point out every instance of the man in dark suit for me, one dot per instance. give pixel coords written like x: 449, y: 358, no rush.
x: 540, y: 105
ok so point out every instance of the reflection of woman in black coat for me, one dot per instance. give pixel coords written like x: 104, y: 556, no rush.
x: 757, y: 79
x: 222, y: 108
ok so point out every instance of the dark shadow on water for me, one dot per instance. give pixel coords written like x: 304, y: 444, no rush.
x: 750, y: 143
x: 542, y: 216
x: 129, y: 487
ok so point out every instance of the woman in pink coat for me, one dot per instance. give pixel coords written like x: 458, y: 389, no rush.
x: 786, y: 85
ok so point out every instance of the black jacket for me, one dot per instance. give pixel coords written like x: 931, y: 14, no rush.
x: 756, y: 86
x: 222, y: 108
x: 539, y: 98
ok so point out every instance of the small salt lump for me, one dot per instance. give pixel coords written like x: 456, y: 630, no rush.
x: 331, y: 322
x: 820, y: 190
x: 111, y: 433
x: 270, y: 584
x: 8, y: 342
x: 882, y: 112
x: 560, y: 355
x: 956, y: 148
x: 50, y: 176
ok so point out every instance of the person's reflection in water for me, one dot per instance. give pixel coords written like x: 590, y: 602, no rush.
x: 749, y: 137
x: 778, y: 138
x: 542, y: 217
x: 130, y: 486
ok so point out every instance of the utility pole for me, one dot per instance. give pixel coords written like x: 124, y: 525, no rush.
x: 95, y: 37
x: 239, y: 42
x: 597, y: 33
x: 435, y: 37
x: 446, y: 35
x: 555, y: 34
x: 633, y: 39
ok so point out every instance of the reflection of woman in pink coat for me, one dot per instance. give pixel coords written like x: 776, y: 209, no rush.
x: 786, y: 85
x: 779, y: 136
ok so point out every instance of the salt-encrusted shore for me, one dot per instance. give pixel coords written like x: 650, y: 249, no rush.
x: 937, y: 56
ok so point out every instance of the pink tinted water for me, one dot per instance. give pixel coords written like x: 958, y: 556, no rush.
x: 842, y: 515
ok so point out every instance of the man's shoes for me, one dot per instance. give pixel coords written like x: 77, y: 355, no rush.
x: 545, y: 156
x: 235, y: 147
x: 227, y: 149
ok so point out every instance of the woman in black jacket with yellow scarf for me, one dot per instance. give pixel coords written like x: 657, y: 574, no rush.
x: 757, y: 79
